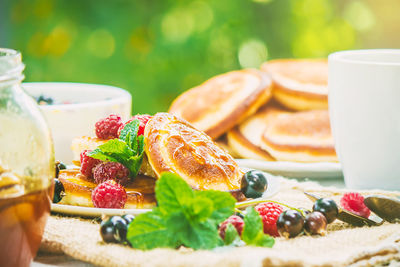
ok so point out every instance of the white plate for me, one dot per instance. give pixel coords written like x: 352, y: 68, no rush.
x: 93, y: 212
x: 273, y: 188
x: 319, y: 170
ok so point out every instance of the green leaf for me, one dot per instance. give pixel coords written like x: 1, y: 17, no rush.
x: 198, y: 209
x: 223, y: 203
x: 253, y: 233
x: 196, y: 235
x: 263, y: 240
x: 172, y: 193
x: 149, y: 231
x: 183, y: 216
x: 114, y: 150
x: 140, y: 142
x: 231, y: 234
x: 129, y: 134
x: 127, y: 150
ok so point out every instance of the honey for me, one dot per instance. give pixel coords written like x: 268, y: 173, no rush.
x: 22, y: 222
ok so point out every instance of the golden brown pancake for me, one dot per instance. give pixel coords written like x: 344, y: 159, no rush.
x: 173, y: 145
x: 140, y: 192
x: 89, y: 143
x: 299, y: 84
x: 223, y: 101
x: 245, y: 139
x: 300, y: 136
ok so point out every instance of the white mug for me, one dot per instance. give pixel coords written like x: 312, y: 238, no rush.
x: 364, y: 107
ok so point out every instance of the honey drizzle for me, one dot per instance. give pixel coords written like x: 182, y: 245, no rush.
x: 139, y: 198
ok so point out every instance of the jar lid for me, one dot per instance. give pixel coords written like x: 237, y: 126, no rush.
x: 11, y: 66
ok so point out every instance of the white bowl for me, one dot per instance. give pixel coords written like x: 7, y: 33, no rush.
x: 89, y: 103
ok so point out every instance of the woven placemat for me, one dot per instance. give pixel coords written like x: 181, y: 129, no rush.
x: 343, y: 245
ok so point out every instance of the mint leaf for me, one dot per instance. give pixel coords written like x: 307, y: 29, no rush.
x: 193, y: 234
x: 231, y: 235
x: 253, y: 233
x: 172, y: 192
x: 149, y: 231
x: 114, y: 150
x: 183, y: 216
x: 127, y: 150
x: 223, y: 202
x: 198, y: 209
x: 129, y: 135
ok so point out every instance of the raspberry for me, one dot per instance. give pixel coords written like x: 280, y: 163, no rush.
x: 269, y: 213
x: 109, y: 194
x: 107, y: 128
x: 111, y: 171
x: 143, y: 119
x: 236, y: 221
x: 87, y: 164
x: 354, y: 202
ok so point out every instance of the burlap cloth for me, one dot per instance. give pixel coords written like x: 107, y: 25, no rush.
x: 344, y: 245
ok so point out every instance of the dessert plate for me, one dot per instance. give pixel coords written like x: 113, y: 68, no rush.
x: 317, y: 170
x: 90, y: 212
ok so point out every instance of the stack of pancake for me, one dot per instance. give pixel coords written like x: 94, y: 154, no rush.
x: 276, y: 113
x: 171, y: 145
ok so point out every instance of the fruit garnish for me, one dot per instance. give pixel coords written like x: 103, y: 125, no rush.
x: 127, y: 150
x: 113, y: 230
x: 253, y: 184
x: 111, y: 171
x: 290, y: 223
x: 234, y: 220
x: 59, y: 166
x: 189, y: 218
x: 327, y: 207
x: 354, y: 202
x: 143, y: 118
x: 253, y: 233
x: 109, y: 194
x: 107, y: 128
x: 58, y: 191
x: 315, y: 223
x: 87, y: 164
x: 269, y: 213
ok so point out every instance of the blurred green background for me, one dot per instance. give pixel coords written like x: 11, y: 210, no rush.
x: 158, y: 49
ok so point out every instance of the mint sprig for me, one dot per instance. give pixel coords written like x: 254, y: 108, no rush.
x: 127, y: 150
x: 190, y: 218
x: 253, y: 233
x: 183, y: 217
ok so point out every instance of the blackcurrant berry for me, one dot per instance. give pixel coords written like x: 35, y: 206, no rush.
x: 253, y: 184
x: 290, y: 223
x: 315, y: 223
x: 59, y: 166
x: 128, y: 218
x: 58, y: 191
x: 328, y: 207
x: 114, y: 230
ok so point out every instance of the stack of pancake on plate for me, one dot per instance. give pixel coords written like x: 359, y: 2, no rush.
x: 171, y: 145
x: 278, y: 113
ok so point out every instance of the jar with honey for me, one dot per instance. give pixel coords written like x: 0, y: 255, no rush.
x: 26, y: 166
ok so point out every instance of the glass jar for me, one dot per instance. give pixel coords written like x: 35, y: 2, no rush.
x: 26, y: 166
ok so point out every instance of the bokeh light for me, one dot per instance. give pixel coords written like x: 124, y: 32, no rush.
x: 157, y: 50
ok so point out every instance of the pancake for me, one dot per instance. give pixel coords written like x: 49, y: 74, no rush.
x: 173, y: 145
x: 90, y: 143
x: 300, y: 136
x: 245, y: 139
x: 299, y: 84
x: 78, y: 192
x: 221, y: 102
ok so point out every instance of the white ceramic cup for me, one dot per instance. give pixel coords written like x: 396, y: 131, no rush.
x: 364, y: 106
x: 89, y: 103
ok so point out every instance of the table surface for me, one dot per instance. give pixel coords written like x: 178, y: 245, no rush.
x: 46, y: 260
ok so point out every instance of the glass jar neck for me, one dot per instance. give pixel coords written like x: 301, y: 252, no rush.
x: 11, y: 67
